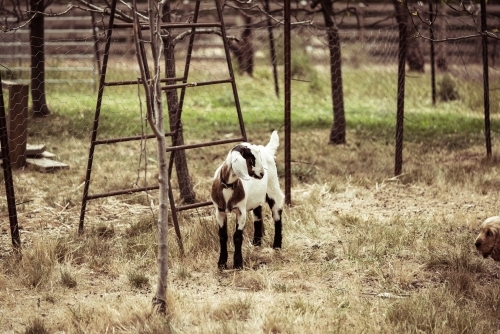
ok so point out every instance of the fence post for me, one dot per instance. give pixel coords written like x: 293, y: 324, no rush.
x: 17, y: 122
x: 398, y: 166
x: 288, y: 97
x: 9, y: 184
x: 486, y: 83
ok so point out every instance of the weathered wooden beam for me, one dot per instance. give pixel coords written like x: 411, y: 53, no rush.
x: 17, y: 123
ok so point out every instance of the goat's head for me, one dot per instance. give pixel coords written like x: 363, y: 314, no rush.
x: 246, y: 162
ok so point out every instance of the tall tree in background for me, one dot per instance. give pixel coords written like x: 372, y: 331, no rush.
x: 37, y: 42
x: 243, y: 50
x: 29, y: 11
x: 338, y: 130
x: 439, y: 33
x: 414, y: 56
x: 185, y: 186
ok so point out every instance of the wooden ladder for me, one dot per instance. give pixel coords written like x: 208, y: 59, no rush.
x: 179, y: 83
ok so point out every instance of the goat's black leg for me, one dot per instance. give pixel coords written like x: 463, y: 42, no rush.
x: 238, y: 242
x: 258, y: 226
x: 277, y: 231
x: 277, y: 221
x: 223, y: 245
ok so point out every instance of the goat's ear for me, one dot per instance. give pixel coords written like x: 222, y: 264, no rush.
x: 239, y: 166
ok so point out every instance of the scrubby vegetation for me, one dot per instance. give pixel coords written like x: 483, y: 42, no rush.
x: 363, y: 251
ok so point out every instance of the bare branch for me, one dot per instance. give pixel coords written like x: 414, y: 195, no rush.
x: 138, y: 13
x: 463, y: 9
x: 88, y: 8
x: 105, y: 10
x: 451, y: 39
x: 183, y: 35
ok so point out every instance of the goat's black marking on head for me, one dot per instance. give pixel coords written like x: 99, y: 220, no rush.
x: 246, y: 153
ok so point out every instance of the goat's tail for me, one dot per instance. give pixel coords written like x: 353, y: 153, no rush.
x: 274, y: 142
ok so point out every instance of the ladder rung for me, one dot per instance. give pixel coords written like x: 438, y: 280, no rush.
x: 124, y: 139
x: 121, y: 192
x: 212, y: 143
x: 171, y: 25
x: 193, y: 206
x: 196, y: 84
x: 138, y: 81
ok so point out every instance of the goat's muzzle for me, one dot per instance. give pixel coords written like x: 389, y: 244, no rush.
x: 257, y: 176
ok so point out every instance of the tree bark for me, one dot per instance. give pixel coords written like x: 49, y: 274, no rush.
x: 243, y: 50
x: 156, y: 121
x: 40, y: 107
x: 272, y: 50
x: 414, y: 56
x: 338, y: 130
x: 185, y: 186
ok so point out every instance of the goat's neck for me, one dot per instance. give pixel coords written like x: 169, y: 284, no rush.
x: 227, y: 177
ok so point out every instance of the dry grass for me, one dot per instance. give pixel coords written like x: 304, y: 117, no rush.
x: 363, y: 252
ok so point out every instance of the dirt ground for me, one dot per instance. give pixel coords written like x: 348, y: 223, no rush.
x: 381, y: 201
x: 206, y: 288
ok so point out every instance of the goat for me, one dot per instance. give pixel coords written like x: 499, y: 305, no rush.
x: 247, y: 178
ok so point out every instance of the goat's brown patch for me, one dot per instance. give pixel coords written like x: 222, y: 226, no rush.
x: 225, y: 173
x: 218, y: 198
x: 237, y: 196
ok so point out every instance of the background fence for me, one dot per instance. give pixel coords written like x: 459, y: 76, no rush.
x: 369, y: 67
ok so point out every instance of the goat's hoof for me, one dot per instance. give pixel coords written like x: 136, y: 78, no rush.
x: 221, y: 266
x: 257, y: 242
x: 277, y: 245
x: 238, y: 264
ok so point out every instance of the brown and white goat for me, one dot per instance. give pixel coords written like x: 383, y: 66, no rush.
x: 247, y: 178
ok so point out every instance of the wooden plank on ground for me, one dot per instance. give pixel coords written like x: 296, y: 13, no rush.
x: 44, y: 154
x: 34, y: 149
x: 46, y: 165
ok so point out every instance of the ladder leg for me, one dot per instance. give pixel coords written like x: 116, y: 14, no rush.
x: 230, y: 68
x: 102, y: 81
x: 188, y: 56
x: 173, y: 209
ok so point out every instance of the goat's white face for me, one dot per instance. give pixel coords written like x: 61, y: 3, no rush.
x: 247, y: 162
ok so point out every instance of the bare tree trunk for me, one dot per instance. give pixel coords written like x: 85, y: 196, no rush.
x: 414, y: 56
x: 185, y: 186
x: 40, y: 107
x: 243, y: 50
x: 338, y: 130
x: 156, y: 121
x: 272, y: 49
x: 440, y: 32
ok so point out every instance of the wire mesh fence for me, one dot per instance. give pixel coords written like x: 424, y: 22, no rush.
x: 369, y: 54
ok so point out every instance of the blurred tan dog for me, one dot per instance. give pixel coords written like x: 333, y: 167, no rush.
x: 488, y: 240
